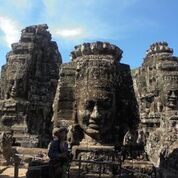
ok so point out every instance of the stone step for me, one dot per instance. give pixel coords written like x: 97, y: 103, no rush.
x: 19, y: 128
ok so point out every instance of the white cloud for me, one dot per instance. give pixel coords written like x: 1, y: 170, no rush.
x: 10, y: 29
x: 88, y: 16
x: 68, y: 33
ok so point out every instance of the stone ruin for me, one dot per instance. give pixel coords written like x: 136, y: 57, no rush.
x: 96, y: 82
x: 93, y: 96
x: 95, y: 99
x: 156, y: 87
x: 28, y: 84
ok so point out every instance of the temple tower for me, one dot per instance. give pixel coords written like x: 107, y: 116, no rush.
x: 28, y: 85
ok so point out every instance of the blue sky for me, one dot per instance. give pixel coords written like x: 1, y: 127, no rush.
x: 133, y: 25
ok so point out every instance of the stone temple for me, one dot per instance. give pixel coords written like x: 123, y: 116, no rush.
x: 156, y: 87
x: 28, y: 85
x: 95, y: 99
x: 95, y: 95
x: 105, y: 108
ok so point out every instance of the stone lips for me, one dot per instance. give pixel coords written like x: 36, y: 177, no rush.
x: 97, y: 48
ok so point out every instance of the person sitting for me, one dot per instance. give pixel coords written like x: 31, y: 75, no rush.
x: 58, y: 153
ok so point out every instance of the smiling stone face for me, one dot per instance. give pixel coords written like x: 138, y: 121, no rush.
x: 172, y: 99
x: 95, y: 114
x: 95, y: 96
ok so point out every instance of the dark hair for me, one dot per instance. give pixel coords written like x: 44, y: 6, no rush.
x: 59, y: 130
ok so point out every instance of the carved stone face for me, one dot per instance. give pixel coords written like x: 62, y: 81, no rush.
x: 95, y: 115
x: 172, y: 99
x: 13, y: 92
x: 17, y: 88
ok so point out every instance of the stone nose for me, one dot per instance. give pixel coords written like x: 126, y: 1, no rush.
x: 173, y: 95
x: 95, y: 113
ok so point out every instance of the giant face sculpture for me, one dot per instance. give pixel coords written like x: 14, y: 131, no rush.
x: 172, y: 99
x: 95, y: 98
x: 16, y: 76
x: 99, y: 94
x: 95, y: 113
x: 170, y: 96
